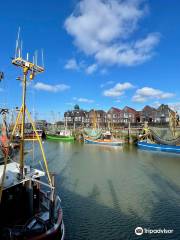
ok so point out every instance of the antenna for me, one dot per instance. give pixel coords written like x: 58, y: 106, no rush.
x: 21, y: 49
x: 27, y: 65
x: 42, y: 55
x: 36, y: 57
x: 17, y: 43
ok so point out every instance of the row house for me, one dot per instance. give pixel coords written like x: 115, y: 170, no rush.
x: 117, y: 116
x: 97, y: 117
x: 162, y: 114
x: 148, y: 114
x: 114, y: 116
x: 152, y: 115
x: 129, y: 115
x: 76, y: 117
x: 79, y: 117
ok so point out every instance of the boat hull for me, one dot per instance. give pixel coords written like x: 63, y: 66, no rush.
x: 59, y: 138
x: 20, y: 231
x: 158, y: 147
x: 102, y: 142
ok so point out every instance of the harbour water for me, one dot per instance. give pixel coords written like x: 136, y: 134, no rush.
x: 107, y: 192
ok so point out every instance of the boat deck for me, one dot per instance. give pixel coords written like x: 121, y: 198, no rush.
x: 12, y: 171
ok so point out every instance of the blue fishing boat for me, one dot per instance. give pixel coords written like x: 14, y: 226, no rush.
x: 158, y: 147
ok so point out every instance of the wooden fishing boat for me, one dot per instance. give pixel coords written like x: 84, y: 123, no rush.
x: 29, y: 206
x: 158, y: 147
x: 97, y: 136
x: 32, y: 135
x: 105, y: 139
x: 107, y: 142
x: 63, y: 135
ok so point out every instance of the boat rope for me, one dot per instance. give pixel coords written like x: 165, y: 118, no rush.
x: 40, y: 163
x: 41, y: 147
x: 34, y: 117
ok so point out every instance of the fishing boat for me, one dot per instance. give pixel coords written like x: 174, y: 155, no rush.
x: 104, y: 142
x: 158, y: 147
x: 29, y: 206
x: 104, y: 139
x: 150, y: 140
x: 31, y: 134
x: 63, y: 135
x: 94, y: 133
x: 8, y: 149
x: 97, y: 136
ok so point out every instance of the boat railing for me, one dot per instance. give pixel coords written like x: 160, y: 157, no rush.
x: 45, y: 199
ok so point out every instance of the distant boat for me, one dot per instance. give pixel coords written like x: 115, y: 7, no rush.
x: 7, y: 148
x: 158, y: 147
x: 105, y: 139
x: 32, y: 134
x: 63, y: 135
x: 93, y: 133
x: 104, y: 142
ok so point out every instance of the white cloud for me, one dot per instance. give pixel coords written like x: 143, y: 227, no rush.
x: 72, y: 64
x: 83, y: 100
x: 118, y: 89
x: 146, y: 93
x: 129, y: 54
x: 104, y: 29
x: 51, y: 88
x: 91, y: 69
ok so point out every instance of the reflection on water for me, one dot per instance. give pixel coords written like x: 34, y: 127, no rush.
x: 106, y: 192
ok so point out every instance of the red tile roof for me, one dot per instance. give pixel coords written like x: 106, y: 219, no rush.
x: 115, y: 109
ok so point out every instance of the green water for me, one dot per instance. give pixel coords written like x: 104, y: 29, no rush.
x: 107, y: 192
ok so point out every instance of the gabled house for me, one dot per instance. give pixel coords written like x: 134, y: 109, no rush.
x: 148, y: 114
x: 162, y: 114
x: 114, y: 116
x: 98, y: 117
x: 129, y: 115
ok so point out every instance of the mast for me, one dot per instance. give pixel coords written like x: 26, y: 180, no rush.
x: 29, y: 69
x: 94, y: 119
x: 25, y: 71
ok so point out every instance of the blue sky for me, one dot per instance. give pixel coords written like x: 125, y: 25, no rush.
x: 97, y: 53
